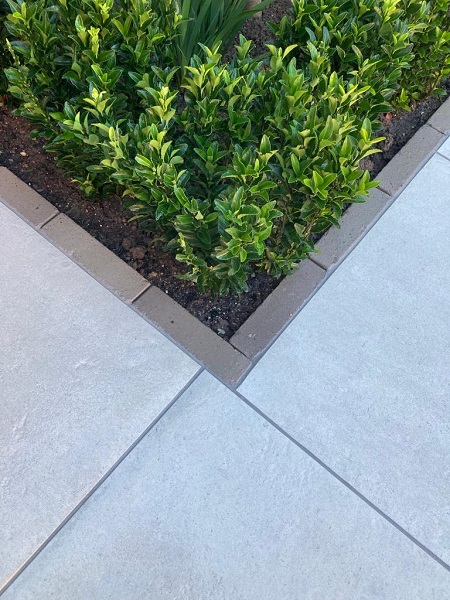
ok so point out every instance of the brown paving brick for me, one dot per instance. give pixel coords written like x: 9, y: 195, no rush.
x: 215, y: 353
x: 337, y: 243
x: 95, y: 258
x: 23, y: 200
x: 406, y: 163
x: 264, y: 325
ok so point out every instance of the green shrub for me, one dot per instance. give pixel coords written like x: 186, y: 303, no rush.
x: 367, y: 39
x: 401, y: 47
x: 66, y: 51
x: 260, y: 158
x: 429, y: 28
x: 5, y: 58
x: 237, y: 168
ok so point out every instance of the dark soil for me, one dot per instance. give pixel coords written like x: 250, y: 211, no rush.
x: 108, y: 222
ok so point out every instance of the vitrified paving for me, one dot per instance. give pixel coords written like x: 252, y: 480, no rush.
x: 325, y: 476
x: 81, y: 378
x: 215, y: 503
x: 361, y: 377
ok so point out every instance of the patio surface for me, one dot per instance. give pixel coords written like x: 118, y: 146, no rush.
x: 129, y: 472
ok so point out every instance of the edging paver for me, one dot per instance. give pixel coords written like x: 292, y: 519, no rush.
x: 440, y: 120
x: 224, y: 361
x: 337, y: 243
x: 23, y: 200
x: 260, y: 329
x: 408, y: 161
x: 95, y: 258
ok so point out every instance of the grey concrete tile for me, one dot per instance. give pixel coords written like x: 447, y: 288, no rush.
x: 81, y: 377
x: 440, y: 120
x: 95, y: 258
x: 399, y: 171
x: 21, y: 198
x: 445, y: 149
x: 215, y: 353
x: 337, y: 243
x: 262, y: 327
x: 361, y: 376
x: 216, y: 504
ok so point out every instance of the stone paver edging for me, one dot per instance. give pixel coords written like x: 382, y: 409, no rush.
x: 231, y: 361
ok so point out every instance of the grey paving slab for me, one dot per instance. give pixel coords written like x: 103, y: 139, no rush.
x: 81, y: 377
x: 361, y: 376
x: 216, y: 504
x: 445, y: 149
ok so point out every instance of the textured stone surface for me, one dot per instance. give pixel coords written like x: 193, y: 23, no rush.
x: 361, y: 377
x: 406, y: 163
x: 215, y: 353
x: 445, y: 149
x: 337, y: 243
x: 262, y: 327
x: 20, y: 197
x: 215, y: 504
x: 81, y: 377
x: 441, y: 118
x: 95, y: 258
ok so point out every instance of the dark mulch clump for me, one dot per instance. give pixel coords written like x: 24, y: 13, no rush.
x: 108, y: 223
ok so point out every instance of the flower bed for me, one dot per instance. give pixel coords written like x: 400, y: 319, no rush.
x: 289, y: 238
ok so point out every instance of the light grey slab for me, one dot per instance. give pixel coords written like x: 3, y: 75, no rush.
x: 361, y: 377
x: 445, y: 149
x: 81, y: 377
x: 214, y: 503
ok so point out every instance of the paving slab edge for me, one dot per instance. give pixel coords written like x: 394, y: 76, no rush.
x: 230, y: 361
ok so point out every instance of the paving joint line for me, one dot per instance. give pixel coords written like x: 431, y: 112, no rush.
x: 99, y: 483
x: 317, y: 262
x: 47, y: 221
x: 443, y: 156
x: 344, y: 482
x: 140, y: 294
x: 435, y: 128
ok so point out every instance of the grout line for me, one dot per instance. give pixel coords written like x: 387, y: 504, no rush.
x: 317, y: 262
x: 138, y: 295
x: 47, y: 221
x: 384, y: 190
x: 443, y: 156
x: 432, y: 126
x: 348, y: 485
x: 99, y: 483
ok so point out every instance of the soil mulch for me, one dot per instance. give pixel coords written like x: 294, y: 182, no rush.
x: 108, y: 223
